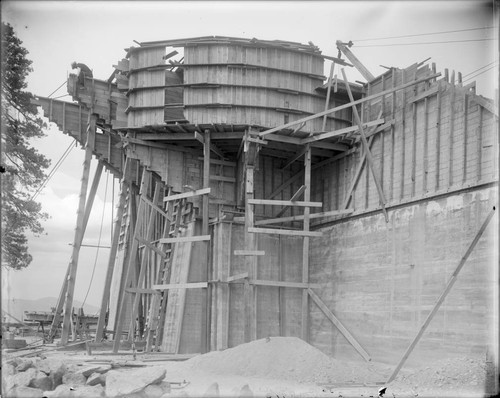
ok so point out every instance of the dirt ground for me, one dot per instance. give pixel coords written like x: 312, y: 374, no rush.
x: 289, y: 367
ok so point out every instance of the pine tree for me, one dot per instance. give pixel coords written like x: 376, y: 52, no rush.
x: 23, y: 167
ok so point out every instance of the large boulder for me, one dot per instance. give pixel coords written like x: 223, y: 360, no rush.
x: 8, y: 369
x: 65, y: 391
x: 88, y: 370
x: 126, y: 382
x: 24, y: 364
x: 22, y: 379
x: 41, y: 381
x: 95, y: 379
x: 153, y: 391
x: 74, y: 379
x: 25, y: 392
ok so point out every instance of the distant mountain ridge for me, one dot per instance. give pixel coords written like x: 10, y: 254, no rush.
x: 16, y: 307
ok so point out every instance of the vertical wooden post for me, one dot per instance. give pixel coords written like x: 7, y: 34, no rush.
x: 327, y: 101
x: 466, y: 110
x: 452, y: 132
x: 426, y: 144
x: 438, y: 135
x: 131, y: 263
x: 111, y: 261
x: 305, y: 244
x: 143, y: 264
x: 479, y: 147
x: 249, y: 260
x: 71, y: 278
x: 206, y: 312
x: 414, y: 149
x: 393, y: 135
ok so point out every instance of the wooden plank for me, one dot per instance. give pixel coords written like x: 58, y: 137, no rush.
x: 250, y: 263
x: 438, y: 137
x: 222, y: 178
x: 79, y: 232
x: 204, y: 191
x: 249, y: 253
x: 291, y: 232
x: 322, y: 136
x: 426, y: 143
x: 414, y: 149
x: 150, y: 246
x: 206, y: 312
x: 479, y: 147
x: 330, y: 213
x: 329, y: 314
x: 464, y: 163
x: 485, y: 104
x: 137, y: 290
x: 367, y: 150
x: 99, y: 335
x: 441, y: 298
x: 305, y: 245
x: 236, y: 277
x: 284, y: 203
x: 355, y: 61
x: 298, y: 285
x: 452, y: 133
x: 327, y: 100
x: 189, y: 285
x: 183, y: 239
x: 295, y: 196
x: 424, y: 95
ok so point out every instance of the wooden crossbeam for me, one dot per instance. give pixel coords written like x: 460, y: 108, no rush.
x: 190, y: 285
x: 291, y: 232
x: 204, y: 191
x: 369, y: 156
x: 295, y: 196
x: 284, y: 203
x: 236, y: 277
x: 299, y: 285
x: 336, y: 133
x: 150, y: 246
x: 249, y: 253
x: 329, y: 314
x: 185, y: 239
x: 348, y: 105
x: 330, y: 213
x: 142, y: 291
x: 294, y: 158
x: 355, y: 61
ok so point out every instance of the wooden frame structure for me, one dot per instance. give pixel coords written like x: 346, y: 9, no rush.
x: 208, y: 210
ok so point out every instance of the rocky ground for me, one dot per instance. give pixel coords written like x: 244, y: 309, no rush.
x: 278, y: 367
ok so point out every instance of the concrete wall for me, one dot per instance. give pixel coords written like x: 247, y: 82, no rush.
x: 384, y: 278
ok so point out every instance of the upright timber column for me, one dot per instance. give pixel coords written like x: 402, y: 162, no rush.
x: 68, y: 307
x: 250, y: 261
x: 205, y: 318
x: 305, y: 246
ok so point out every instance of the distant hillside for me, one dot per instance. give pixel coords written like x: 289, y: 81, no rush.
x: 16, y: 307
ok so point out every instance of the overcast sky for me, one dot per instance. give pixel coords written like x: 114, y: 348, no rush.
x: 96, y: 33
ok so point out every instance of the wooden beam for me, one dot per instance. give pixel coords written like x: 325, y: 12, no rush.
x: 367, y: 149
x: 294, y: 158
x: 328, y: 91
x: 295, y: 196
x: 348, y: 105
x: 330, y: 213
x: 291, y: 232
x: 236, y: 277
x: 131, y: 263
x: 137, y: 290
x: 249, y: 253
x: 205, y: 312
x: 441, y: 298
x: 284, y: 203
x: 355, y: 61
x: 79, y: 232
x: 305, y: 244
x: 329, y: 314
x: 250, y: 263
x: 184, y: 239
x: 190, y: 194
x: 299, y: 285
x: 99, y: 335
x: 322, y: 136
x: 190, y: 285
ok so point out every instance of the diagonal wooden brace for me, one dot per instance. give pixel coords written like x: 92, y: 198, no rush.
x: 367, y: 148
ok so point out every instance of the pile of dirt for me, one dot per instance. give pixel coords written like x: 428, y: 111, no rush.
x: 286, y: 358
x: 452, y: 373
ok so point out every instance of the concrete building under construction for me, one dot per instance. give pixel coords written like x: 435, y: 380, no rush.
x: 260, y: 198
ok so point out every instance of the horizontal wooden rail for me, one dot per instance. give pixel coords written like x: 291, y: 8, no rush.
x: 322, y: 136
x: 185, y: 239
x: 271, y: 202
x: 291, y: 232
x: 190, y: 194
x: 192, y: 285
x: 299, y: 285
x: 249, y: 253
x: 278, y: 220
x: 139, y: 290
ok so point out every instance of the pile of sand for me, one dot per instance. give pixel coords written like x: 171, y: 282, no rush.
x: 286, y: 358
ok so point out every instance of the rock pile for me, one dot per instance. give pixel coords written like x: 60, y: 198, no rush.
x: 51, y: 377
